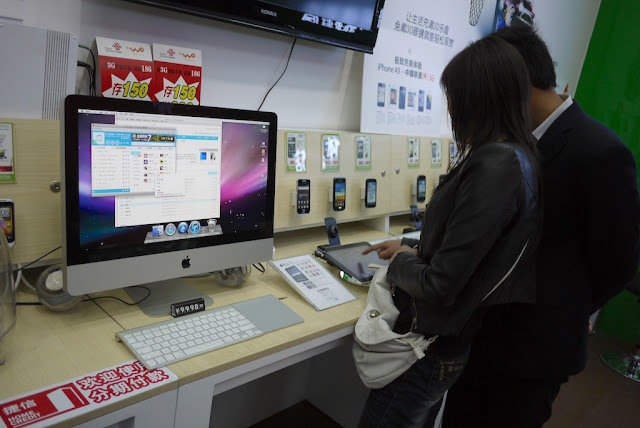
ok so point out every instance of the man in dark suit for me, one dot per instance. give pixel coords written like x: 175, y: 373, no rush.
x: 589, y: 250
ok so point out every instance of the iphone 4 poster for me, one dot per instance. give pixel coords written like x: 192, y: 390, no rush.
x: 296, y: 152
x: 413, y: 150
x: 177, y: 74
x: 126, y: 69
x: 330, y: 152
x: 363, y: 152
x: 436, y: 153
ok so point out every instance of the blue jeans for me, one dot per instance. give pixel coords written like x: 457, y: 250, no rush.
x: 414, y: 398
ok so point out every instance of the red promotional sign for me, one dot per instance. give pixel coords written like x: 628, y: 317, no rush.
x: 81, y: 395
x: 126, y: 69
x: 177, y: 74
x: 43, y: 405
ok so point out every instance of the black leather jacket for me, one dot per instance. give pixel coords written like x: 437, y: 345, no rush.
x: 481, y: 224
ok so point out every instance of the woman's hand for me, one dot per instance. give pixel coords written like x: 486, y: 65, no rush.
x: 402, y: 249
x: 385, y: 249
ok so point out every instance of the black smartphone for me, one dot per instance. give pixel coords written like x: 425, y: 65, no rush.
x: 403, y: 95
x: 339, y: 193
x: 7, y: 220
x: 303, y: 197
x: 371, y: 187
x: 422, y: 188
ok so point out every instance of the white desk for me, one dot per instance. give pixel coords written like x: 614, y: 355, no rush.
x: 310, y: 360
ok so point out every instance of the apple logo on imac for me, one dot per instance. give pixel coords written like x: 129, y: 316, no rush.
x: 186, y: 263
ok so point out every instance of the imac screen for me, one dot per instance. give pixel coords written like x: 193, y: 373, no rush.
x: 155, y: 178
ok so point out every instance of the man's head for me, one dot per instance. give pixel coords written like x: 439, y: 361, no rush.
x: 534, y: 52
x: 488, y: 94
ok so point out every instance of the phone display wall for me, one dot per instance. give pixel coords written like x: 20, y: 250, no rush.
x: 404, y: 178
x: 395, y: 180
x: 38, y: 209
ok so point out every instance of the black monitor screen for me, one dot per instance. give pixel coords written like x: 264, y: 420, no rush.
x: 355, y: 12
x: 352, y: 24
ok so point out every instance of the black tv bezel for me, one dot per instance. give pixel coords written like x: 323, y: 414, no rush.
x: 288, y: 21
x: 73, y: 103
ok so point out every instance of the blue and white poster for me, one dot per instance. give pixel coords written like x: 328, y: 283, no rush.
x: 401, y: 82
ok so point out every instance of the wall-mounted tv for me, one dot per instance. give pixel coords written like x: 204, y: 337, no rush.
x: 352, y: 24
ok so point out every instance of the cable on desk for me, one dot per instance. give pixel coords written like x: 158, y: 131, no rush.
x: 89, y: 298
x: 38, y: 259
x: 92, y: 299
x: 20, y: 278
x: 259, y: 267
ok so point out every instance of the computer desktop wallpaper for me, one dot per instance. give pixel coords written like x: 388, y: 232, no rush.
x: 244, y: 172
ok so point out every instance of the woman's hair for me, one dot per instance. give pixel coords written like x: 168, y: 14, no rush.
x: 488, y: 91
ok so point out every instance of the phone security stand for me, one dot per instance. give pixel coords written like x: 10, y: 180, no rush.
x: 332, y: 231
x: 415, y: 217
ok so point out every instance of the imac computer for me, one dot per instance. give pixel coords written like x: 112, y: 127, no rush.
x: 155, y: 191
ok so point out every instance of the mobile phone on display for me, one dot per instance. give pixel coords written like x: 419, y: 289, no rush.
x: 402, y: 97
x: 393, y: 96
x: 381, y: 94
x: 360, y: 150
x: 371, y: 186
x: 339, y: 193
x: 421, y: 100
x: 303, y: 198
x: 421, y: 195
x: 428, y: 104
x: 7, y: 220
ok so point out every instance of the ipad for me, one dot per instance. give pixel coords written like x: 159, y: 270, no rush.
x: 349, y: 258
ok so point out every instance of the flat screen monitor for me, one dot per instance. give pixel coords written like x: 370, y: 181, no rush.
x: 351, y: 24
x: 156, y: 191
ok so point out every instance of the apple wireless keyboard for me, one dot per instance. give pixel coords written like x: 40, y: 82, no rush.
x: 167, y: 342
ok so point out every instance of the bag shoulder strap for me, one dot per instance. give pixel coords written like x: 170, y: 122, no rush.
x: 419, y: 349
x: 506, y: 275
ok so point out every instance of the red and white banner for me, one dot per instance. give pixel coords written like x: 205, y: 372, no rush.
x: 177, y: 74
x: 57, y: 403
x: 126, y: 69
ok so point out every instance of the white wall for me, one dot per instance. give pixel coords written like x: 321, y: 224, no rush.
x: 320, y: 90
x: 323, y: 85
x: 566, y: 27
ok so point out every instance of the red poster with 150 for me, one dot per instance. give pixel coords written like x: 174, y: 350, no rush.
x: 177, y: 74
x: 126, y: 69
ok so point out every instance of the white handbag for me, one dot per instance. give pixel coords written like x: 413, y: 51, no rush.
x: 380, y: 354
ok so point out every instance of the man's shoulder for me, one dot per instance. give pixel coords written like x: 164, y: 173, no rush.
x: 584, y: 134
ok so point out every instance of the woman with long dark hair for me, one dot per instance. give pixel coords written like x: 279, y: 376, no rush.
x: 479, y: 234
